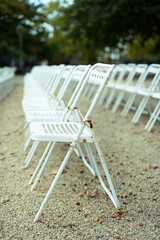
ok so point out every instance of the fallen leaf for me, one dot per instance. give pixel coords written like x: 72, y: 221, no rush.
x: 140, y: 211
x: 6, y: 133
x: 118, y: 237
x: 96, y: 219
x: 12, y: 153
x: 141, y: 224
x: 154, y: 167
x: 143, y: 160
x: 55, y: 171
x: 24, y: 168
x: 4, y: 200
x: 136, y: 132
x: 93, y: 194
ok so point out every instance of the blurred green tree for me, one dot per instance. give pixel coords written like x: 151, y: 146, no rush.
x: 93, y: 25
x: 31, y: 16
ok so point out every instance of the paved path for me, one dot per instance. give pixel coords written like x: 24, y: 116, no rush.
x: 79, y: 208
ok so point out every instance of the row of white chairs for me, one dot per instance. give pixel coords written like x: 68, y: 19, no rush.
x: 7, y: 81
x: 50, y: 119
x: 132, y: 86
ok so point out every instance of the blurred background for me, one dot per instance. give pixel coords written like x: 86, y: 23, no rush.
x: 78, y: 32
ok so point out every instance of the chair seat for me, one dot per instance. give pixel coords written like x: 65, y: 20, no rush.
x: 144, y: 92
x: 37, y: 107
x: 34, y: 101
x: 46, y: 116
x: 59, y: 132
x: 42, y: 106
x: 131, y: 89
x: 156, y: 95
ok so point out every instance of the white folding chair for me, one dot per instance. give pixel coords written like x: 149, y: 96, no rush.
x: 128, y: 83
x: 115, y: 78
x: 77, y: 75
x: 37, y: 84
x: 156, y: 113
x: 147, y: 91
x: 54, y: 101
x: 58, y: 79
x: 116, y: 75
x: 132, y: 90
x: 76, y: 133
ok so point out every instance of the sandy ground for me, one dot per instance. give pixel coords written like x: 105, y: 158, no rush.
x: 79, y: 208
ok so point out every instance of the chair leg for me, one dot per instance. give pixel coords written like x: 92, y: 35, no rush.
x: 140, y: 110
x: 27, y: 132
x: 28, y: 156
x: 91, y: 168
x: 27, y: 143
x: 153, y: 118
x: 40, y: 163
x: 149, y: 109
x: 26, y: 125
x: 90, y: 156
x: 91, y: 91
x: 112, y: 196
x: 77, y: 152
x: 86, y: 89
x: 128, y: 105
x: 31, y: 153
x: 43, y: 166
x: 110, y: 98
x: 102, y: 97
x: 118, y: 102
x: 54, y: 182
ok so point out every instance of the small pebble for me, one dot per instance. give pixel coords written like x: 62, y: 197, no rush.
x: 5, y: 200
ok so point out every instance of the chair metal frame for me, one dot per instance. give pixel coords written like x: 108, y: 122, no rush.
x: 77, y: 133
x: 78, y: 74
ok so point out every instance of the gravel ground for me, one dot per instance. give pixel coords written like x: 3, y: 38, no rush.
x: 79, y: 208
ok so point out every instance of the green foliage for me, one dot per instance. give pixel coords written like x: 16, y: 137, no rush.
x: 93, y: 25
x: 31, y: 18
x: 81, y: 30
x: 7, y: 53
x: 143, y: 49
x: 111, y: 21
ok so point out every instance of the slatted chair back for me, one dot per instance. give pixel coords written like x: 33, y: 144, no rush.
x: 77, y: 75
x: 139, y: 74
x: 146, y: 91
x: 132, y: 71
x: 98, y: 75
x: 116, y: 78
x: 76, y: 133
x: 152, y: 76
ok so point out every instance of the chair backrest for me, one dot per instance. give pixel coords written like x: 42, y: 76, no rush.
x: 54, y: 78
x: 129, y: 72
x: 117, y: 74
x: 41, y: 76
x: 139, y: 73
x: 64, y: 80
x: 77, y: 75
x: 98, y: 75
x: 123, y: 74
x: 151, y: 75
